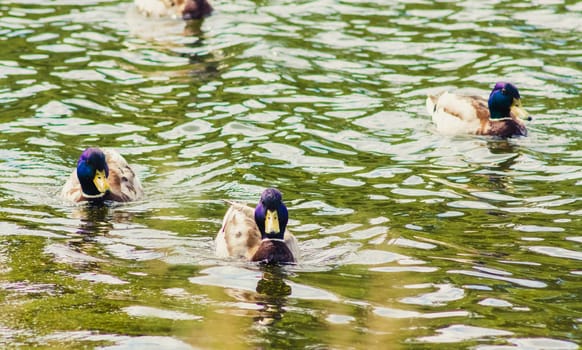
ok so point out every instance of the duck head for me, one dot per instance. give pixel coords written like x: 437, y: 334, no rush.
x: 190, y: 9
x: 92, y: 171
x: 271, y: 214
x: 505, y: 101
x: 196, y: 9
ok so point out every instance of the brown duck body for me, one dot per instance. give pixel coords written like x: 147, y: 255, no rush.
x: 459, y: 114
x: 239, y: 237
x: 124, y: 185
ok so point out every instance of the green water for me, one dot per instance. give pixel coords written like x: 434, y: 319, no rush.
x: 409, y: 239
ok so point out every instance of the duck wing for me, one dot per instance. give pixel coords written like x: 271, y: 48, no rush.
x: 123, y: 182
x: 72, y: 188
x: 239, y: 235
x: 453, y: 113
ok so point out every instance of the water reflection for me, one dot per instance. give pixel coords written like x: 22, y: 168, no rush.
x: 504, y: 154
x: 92, y: 235
x: 324, y: 100
x: 273, y: 294
x: 95, y: 219
x: 185, y: 40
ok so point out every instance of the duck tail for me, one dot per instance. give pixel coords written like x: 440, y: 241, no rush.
x: 431, y: 103
x: 250, y: 212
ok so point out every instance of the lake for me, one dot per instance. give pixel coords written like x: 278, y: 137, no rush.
x: 410, y: 239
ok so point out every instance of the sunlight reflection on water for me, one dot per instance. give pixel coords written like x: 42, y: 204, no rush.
x: 324, y: 100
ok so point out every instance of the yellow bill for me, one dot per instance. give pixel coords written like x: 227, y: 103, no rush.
x: 100, y: 181
x: 518, y: 111
x: 272, y: 222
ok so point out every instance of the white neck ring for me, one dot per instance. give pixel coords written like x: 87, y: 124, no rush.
x: 93, y: 196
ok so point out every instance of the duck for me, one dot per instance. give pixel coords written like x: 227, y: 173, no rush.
x: 259, y: 234
x: 502, y: 115
x: 186, y: 9
x: 102, y: 175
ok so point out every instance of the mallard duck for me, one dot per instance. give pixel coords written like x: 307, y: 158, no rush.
x: 102, y: 175
x: 186, y: 9
x: 500, y: 116
x: 259, y: 235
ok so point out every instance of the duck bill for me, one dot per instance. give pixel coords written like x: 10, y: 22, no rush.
x: 100, y: 181
x: 518, y: 111
x: 272, y: 223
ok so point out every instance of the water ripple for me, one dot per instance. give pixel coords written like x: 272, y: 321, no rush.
x: 145, y: 311
x: 445, y: 293
x: 326, y: 101
x: 518, y: 281
x: 557, y: 252
x: 459, y: 333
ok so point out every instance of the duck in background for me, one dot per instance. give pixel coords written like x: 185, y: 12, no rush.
x: 102, y: 175
x: 258, y: 235
x: 186, y: 9
x: 502, y: 115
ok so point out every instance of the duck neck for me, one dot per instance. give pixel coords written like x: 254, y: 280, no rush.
x: 273, y: 239
x: 496, y: 114
x: 272, y: 236
x: 93, y: 196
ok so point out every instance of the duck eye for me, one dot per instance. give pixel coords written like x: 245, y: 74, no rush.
x: 503, y: 91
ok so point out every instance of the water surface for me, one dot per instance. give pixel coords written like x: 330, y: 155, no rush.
x: 409, y: 239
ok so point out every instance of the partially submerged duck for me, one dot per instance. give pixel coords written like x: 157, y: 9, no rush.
x: 186, y: 9
x: 258, y: 234
x: 502, y: 115
x: 102, y: 174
